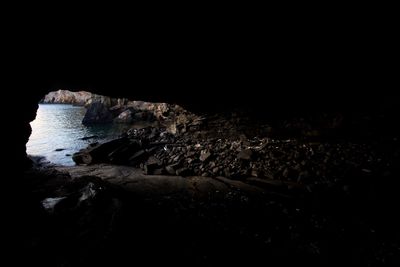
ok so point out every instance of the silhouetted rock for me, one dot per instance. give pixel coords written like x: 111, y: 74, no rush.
x: 97, y: 152
x: 97, y: 113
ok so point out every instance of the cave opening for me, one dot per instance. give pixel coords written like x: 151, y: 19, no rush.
x: 231, y: 185
x: 69, y: 121
x: 305, y: 172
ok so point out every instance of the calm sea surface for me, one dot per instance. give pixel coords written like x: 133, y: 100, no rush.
x: 59, y: 126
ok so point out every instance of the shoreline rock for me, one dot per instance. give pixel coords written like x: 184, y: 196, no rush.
x: 67, y: 97
x: 104, y: 109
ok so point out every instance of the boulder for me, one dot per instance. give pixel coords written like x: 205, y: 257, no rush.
x: 124, y: 117
x: 97, y: 112
x: 97, y: 152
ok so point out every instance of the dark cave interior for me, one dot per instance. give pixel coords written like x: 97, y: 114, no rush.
x: 352, y: 221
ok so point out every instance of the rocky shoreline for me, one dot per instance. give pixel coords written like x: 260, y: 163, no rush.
x: 103, y: 109
x: 80, y: 98
x: 102, y: 214
x: 215, y: 146
x: 217, y: 190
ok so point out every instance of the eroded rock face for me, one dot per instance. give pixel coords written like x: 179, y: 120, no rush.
x: 67, y: 97
x: 97, y: 113
x: 105, y: 109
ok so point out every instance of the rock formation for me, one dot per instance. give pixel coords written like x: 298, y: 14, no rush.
x: 80, y: 98
x: 328, y: 219
x: 105, y: 109
x: 330, y: 68
x: 124, y: 117
x: 97, y: 112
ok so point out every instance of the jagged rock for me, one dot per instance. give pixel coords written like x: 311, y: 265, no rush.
x: 239, y: 157
x: 67, y: 97
x: 204, y: 155
x: 97, y: 153
x: 124, y: 117
x: 97, y: 113
x: 82, y: 158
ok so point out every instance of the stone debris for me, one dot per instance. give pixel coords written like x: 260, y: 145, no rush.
x: 206, y: 150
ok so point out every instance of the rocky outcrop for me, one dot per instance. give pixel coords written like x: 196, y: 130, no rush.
x: 67, y: 97
x: 205, y: 150
x: 97, y: 112
x: 100, y: 109
x: 107, y: 101
x: 159, y: 110
x: 315, y: 227
x: 124, y: 117
x: 105, y: 109
x: 91, y: 214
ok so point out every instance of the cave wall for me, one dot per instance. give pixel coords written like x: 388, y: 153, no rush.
x: 275, y: 82
x: 273, y: 98
x: 274, y: 68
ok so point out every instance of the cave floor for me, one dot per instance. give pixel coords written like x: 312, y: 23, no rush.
x: 297, y: 201
x: 107, y: 215
x: 132, y: 179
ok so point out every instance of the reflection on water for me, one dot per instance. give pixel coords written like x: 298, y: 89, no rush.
x: 59, y: 126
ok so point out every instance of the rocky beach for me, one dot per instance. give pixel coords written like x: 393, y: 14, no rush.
x: 215, y: 188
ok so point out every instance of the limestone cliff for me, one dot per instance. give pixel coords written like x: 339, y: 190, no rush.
x: 105, y: 109
x: 67, y: 97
